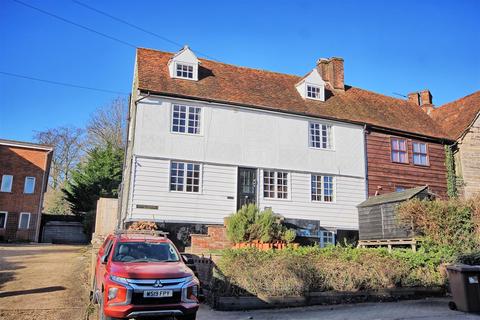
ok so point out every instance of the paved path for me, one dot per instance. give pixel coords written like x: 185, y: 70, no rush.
x: 44, y: 282
x: 435, y: 309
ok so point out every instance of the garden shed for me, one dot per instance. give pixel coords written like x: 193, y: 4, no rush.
x: 377, y: 218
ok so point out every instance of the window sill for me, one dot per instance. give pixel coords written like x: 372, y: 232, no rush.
x: 323, y: 202
x: 322, y: 149
x: 422, y: 165
x: 187, y: 134
x: 185, y: 192
x: 276, y: 199
x: 403, y: 163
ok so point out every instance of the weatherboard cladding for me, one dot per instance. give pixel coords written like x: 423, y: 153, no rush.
x: 217, y: 198
x: 225, y: 83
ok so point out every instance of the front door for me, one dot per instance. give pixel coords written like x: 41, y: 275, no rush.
x: 247, y: 186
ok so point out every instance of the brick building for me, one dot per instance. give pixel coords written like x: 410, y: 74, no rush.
x: 24, y: 169
x: 460, y: 119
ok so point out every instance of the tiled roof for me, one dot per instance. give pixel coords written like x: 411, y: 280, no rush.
x: 225, y: 83
x: 457, y: 116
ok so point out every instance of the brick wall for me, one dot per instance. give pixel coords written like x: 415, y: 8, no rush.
x: 215, y: 239
x: 21, y: 163
x: 470, y: 160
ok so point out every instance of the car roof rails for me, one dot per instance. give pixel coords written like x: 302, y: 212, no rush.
x: 142, y: 232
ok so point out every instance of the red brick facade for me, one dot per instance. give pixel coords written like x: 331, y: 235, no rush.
x: 216, y: 239
x: 23, y: 160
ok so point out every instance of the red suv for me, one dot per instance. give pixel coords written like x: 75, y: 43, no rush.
x: 143, y: 275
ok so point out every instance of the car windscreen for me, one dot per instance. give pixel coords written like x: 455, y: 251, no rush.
x: 144, y: 252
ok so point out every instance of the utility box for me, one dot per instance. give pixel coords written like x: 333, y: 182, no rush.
x: 465, y: 287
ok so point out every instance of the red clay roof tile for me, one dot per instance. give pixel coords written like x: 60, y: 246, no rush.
x: 227, y: 83
x: 457, y: 116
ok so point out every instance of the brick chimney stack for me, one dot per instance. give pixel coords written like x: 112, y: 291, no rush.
x: 426, y: 97
x: 332, y: 71
x: 414, y: 97
x: 422, y: 99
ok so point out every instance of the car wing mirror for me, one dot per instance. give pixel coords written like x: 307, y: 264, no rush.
x: 104, y: 259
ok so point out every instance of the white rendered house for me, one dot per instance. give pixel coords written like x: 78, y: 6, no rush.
x: 206, y: 137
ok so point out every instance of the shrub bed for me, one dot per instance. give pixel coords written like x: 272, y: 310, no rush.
x: 293, y: 272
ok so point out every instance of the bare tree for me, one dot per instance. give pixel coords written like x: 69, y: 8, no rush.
x: 68, y: 150
x: 107, y: 125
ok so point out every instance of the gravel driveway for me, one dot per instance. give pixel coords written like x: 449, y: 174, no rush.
x: 44, y: 282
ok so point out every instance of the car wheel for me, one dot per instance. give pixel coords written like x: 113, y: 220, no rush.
x: 192, y: 316
x: 452, y: 305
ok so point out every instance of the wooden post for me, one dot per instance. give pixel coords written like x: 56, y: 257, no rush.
x: 389, y: 247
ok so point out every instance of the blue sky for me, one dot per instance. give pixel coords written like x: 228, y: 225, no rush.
x: 388, y: 46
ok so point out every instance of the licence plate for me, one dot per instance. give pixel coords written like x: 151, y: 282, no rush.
x: 157, y: 293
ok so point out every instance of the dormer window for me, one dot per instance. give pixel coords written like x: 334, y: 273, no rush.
x: 312, y: 86
x: 184, y: 65
x: 313, y: 92
x: 184, y: 71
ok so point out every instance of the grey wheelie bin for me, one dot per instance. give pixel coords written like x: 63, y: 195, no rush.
x: 465, y: 287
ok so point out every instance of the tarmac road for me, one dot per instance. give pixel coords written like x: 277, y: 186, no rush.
x: 434, y: 308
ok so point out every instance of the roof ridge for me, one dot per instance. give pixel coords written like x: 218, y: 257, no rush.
x: 230, y: 64
x: 458, y: 100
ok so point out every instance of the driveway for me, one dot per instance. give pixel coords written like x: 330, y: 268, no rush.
x: 44, y: 282
x: 434, y: 309
x: 49, y: 282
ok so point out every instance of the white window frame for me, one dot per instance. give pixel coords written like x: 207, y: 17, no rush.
x: 319, y: 93
x: 5, y: 222
x: 187, y: 115
x: 322, y: 194
x: 180, y: 63
x: 20, y: 220
x: 329, y: 130
x: 184, y: 184
x: 11, y: 183
x: 275, y: 185
x: 322, y: 233
x: 25, y: 185
x: 427, y: 160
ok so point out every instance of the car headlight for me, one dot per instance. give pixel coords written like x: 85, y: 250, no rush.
x: 112, y: 293
x: 190, y: 291
x: 119, y: 279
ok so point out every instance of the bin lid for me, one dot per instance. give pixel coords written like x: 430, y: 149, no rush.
x: 463, y: 267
